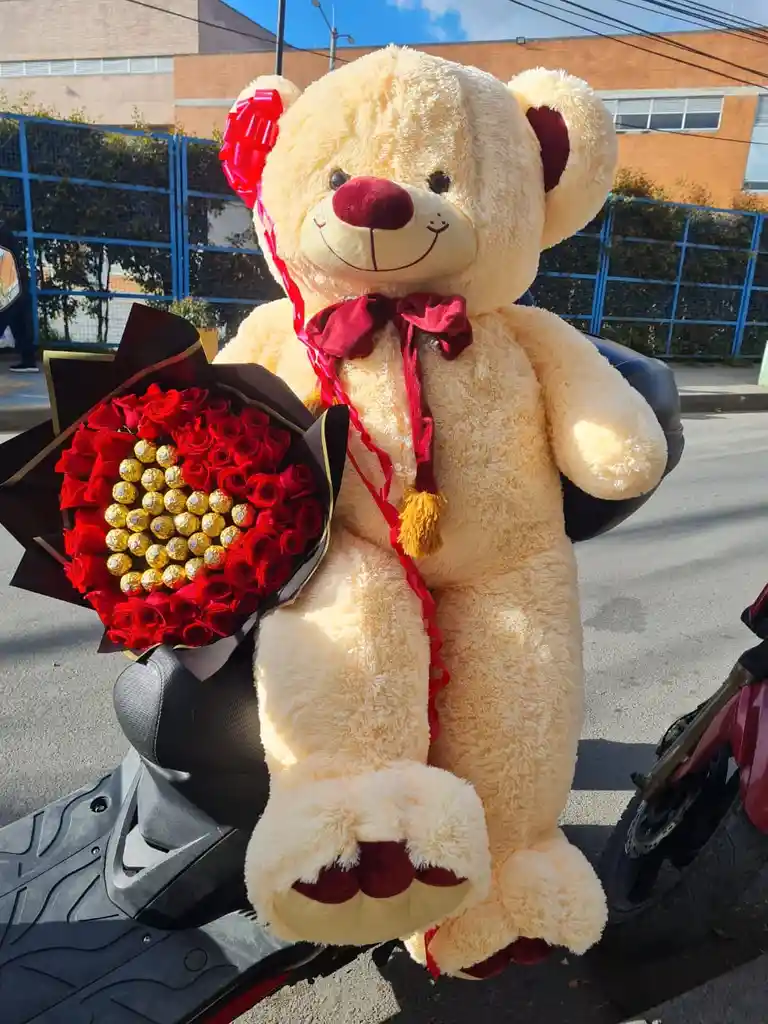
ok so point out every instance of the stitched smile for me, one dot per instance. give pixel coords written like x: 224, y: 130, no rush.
x: 436, y: 232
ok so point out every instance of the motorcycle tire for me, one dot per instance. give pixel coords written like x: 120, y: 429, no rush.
x: 711, y: 878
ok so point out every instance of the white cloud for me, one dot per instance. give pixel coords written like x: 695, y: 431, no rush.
x: 503, y: 19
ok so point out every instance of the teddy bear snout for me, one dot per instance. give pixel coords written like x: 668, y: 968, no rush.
x: 373, y: 203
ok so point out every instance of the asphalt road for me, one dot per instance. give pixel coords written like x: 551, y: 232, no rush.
x: 661, y: 602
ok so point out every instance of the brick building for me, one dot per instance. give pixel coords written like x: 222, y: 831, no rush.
x: 111, y: 58
x: 648, y: 94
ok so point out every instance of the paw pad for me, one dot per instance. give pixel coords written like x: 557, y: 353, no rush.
x: 523, y: 952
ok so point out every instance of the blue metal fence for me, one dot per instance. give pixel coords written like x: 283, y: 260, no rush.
x: 112, y: 216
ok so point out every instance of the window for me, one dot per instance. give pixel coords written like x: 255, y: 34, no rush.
x: 96, y: 66
x: 666, y: 113
x: 756, y: 177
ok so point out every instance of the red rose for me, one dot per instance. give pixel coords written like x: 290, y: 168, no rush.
x: 310, y: 517
x: 272, y: 521
x: 88, y: 572
x: 274, y: 573
x: 106, y: 416
x: 162, y: 407
x: 130, y: 407
x: 72, y: 492
x: 211, y: 588
x: 221, y: 618
x: 82, y: 441
x: 184, y: 611
x: 148, y: 430
x: 139, y: 623
x: 193, y: 400
x: 220, y: 456
x: 233, y: 480
x: 253, y: 418
x: 293, y: 542
x: 193, y: 440
x: 196, y: 634
x: 112, y: 445
x: 84, y: 539
x: 228, y: 428
x: 298, y: 481
x: 104, y: 602
x: 240, y: 573
x: 217, y: 408
x: 276, y: 443
x: 198, y: 474
x: 165, y: 606
x: 264, y: 490
x: 75, y: 464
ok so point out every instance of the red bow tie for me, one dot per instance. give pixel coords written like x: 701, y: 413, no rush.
x: 347, y: 331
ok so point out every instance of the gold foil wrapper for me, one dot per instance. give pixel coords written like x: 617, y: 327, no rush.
x: 220, y: 501
x: 215, y: 556
x: 175, y: 501
x: 186, y: 524
x: 152, y: 479
x: 174, y: 476
x: 137, y: 520
x: 124, y: 492
x: 228, y: 536
x: 119, y: 564
x: 162, y: 527
x: 174, y: 577
x: 177, y: 549
x: 213, y: 523
x: 115, y: 516
x: 153, y: 502
x: 117, y: 540
x: 157, y: 556
x: 130, y: 470
x: 199, y: 543
x: 139, y: 544
x: 131, y: 583
x: 197, y: 503
x: 151, y: 580
x: 167, y: 456
x: 193, y: 567
x: 145, y: 451
x: 243, y: 515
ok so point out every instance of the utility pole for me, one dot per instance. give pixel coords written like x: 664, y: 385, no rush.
x: 280, y: 43
x: 335, y: 34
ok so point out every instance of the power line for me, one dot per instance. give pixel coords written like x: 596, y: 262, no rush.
x: 659, y: 7
x: 718, y: 16
x: 227, y: 28
x: 655, y: 53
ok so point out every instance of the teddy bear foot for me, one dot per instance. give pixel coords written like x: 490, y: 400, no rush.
x: 542, y: 897
x: 360, y: 860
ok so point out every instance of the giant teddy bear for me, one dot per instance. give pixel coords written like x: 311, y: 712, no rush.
x: 405, y: 191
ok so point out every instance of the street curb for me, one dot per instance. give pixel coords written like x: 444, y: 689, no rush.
x: 18, y: 418
x: 723, y: 402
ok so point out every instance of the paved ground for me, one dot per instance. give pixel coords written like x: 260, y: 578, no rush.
x: 661, y: 597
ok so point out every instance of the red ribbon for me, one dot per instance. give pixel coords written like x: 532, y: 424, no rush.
x: 347, y: 330
x: 250, y: 134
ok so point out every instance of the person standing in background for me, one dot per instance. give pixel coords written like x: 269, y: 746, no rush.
x: 18, y: 315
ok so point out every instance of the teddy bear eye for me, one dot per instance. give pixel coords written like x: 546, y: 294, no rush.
x: 439, y: 182
x: 337, y: 179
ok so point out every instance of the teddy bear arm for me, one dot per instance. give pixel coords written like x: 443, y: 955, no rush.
x: 605, y: 437
x: 261, y: 336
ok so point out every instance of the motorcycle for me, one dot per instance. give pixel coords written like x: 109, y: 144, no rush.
x: 125, y: 901
x: 695, y: 836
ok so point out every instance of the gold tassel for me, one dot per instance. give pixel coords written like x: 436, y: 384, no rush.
x: 420, y: 523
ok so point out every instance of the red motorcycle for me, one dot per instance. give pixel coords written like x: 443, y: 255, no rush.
x: 695, y: 837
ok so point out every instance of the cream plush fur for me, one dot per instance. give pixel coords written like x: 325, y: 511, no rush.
x: 342, y: 674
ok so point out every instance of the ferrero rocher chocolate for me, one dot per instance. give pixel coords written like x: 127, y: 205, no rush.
x: 145, y: 451
x: 193, y: 567
x: 199, y: 543
x: 175, y: 501
x: 119, y: 564
x: 167, y: 456
x: 162, y: 527
x: 174, y: 476
x: 213, y: 523
x: 151, y: 579
x: 137, y: 520
x: 139, y: 544
x: 177, y: 549
x: 130, y: 470
x: 197, y: 503
x: 229, y: 535
x: 187, y: 524
x: 153, y: 503
x: 220, y: 501
x: 215, y: 556
x: 131, y: 583
x: 174, y: 577
x: 243, y: 515
x: 115, y: 515
x: 117, y: 540
x: 157, y: 556
x: 124, y: 492
x: 152, y: 479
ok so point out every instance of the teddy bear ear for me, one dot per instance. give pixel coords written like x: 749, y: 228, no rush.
x: 578, y: 146
x: 287, y: 91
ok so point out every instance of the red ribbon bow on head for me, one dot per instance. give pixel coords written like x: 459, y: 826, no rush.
x: 347, y: 331
x: 249, y: 136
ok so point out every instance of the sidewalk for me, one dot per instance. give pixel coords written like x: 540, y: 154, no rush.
x: 703, y: 389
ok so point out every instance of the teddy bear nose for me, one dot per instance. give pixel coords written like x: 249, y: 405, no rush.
x: 373, y: 203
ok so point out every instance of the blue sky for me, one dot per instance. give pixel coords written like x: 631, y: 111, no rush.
x: 376, y: 22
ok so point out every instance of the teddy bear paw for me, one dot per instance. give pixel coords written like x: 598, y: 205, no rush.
x: 360, y: 860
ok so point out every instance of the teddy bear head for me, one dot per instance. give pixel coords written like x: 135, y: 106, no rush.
x: 404, y: 172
